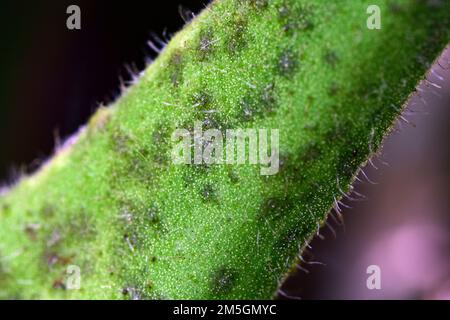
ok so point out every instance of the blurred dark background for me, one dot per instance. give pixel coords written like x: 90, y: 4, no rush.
x: 52, y: 79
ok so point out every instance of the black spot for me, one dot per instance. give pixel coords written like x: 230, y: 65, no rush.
x: 121, y: 141
x: 233, y: 175
x: 223, y: 280
x: 205, y: 112
x: 258, y: 104
x: 206, y: 44
x: 201, y: 101
x: 268, y: 98
x: 153, y: 214
x: 296, y: 19
x: 188, y: 179
x: 141, y: 221
x: 287, y: 63
x: 213, y: 121
x: 132, y: 293
x: 249, y: 108
x: 236, y: 40
x: 208, y: 193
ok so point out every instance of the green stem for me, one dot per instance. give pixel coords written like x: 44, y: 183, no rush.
x: 139, y: 226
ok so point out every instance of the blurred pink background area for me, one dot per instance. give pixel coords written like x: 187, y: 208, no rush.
x: 404, y: 225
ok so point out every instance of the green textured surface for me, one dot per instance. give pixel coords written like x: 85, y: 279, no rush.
x: 141, y: 227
